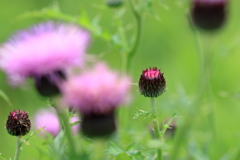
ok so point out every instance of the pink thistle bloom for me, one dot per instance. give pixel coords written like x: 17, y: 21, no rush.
x: 42, y: 49
x: 96, y: 94
x: 48, y: 118
x: 98, y: 91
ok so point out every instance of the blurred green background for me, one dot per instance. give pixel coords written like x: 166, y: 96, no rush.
x: 168, y: 43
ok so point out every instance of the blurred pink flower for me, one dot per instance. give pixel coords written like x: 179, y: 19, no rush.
x: 97, y: 91
x: 42, y: 49
x: 48, y: 118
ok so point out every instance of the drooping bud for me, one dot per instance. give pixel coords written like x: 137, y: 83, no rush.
x: 47, y: 85
x: 209, y: 14
x: 152, y: 83
x: 114, y: 3
x: 97, y: 125
x: 18, y: 123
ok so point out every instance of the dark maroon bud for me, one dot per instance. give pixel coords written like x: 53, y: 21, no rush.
x: 18, y: 123
x: 209, y: 14
x: 47, y: 84
x: 98, y: 125
x: 152, y: 83
x: 114, y: 3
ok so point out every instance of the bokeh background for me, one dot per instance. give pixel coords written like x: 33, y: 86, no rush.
x: 168, y: 43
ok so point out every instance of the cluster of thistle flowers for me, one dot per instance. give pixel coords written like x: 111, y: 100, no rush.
x: 48, y: 52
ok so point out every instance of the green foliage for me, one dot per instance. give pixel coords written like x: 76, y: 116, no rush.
x: 132, y: 151
x: 83, y: 20
x: 2, y: 156
x: 166, y: 42
x: 5, y: 97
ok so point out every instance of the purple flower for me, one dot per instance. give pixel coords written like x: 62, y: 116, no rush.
x: 43, y: 52
x: 48, y: 118
x: 96, y: 93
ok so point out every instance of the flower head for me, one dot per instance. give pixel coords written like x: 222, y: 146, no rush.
x: 97, y: 91
x: 152, y: 83
x: 209, y: 14
x: 96, y: 94
x: 48, y: 119
x: 18, y: 123
x: 42, y: 49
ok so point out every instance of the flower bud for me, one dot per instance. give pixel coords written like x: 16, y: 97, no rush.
x: 18, y: 123
x: 152, y: 83
x: 114, y: 3
x: 209, y: 14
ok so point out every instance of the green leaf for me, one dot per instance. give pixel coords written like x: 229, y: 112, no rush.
x: 32, y: 134
x: 134, y: 151
x: 2, y: 156
x: 114, y: 149
x: 58, y: 141
x: 138, y: 156
x: 146, y: 114
x: 5, y: 97
x: 75, y: 123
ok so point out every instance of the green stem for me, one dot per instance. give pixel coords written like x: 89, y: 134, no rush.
x: 18, y: 148
x: 156, y: 127
x: 99, y: 145
x: 69, y: 134
x: 63, y: 117
x: 138, y: 34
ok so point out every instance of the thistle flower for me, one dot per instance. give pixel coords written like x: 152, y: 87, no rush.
x: 18, y: 123
x: 48, y: 119
x: 114, y: 3
x: 152, y: 83
x: 209, y: 14
x: 96, y: 94
x: 43, y: 52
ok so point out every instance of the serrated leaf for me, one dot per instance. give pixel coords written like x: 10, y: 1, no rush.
x: 5, y: 97
x: 146, y: 114
x: 138, y: 156
x: 114, y: 149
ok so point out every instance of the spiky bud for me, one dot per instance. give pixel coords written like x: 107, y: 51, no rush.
x: 209, y: 14
x: 47, y: 85
x: 18, y: 123
x: 152, y: 83
x: 114, y: 3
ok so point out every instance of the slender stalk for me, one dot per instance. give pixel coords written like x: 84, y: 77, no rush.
x: 189, y: 118
x: 138, y: 18
x: 68, y: 131
x: 64, y: 120
x: 18, y: 148
x: 156, y: 127
x: 205, y: 93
